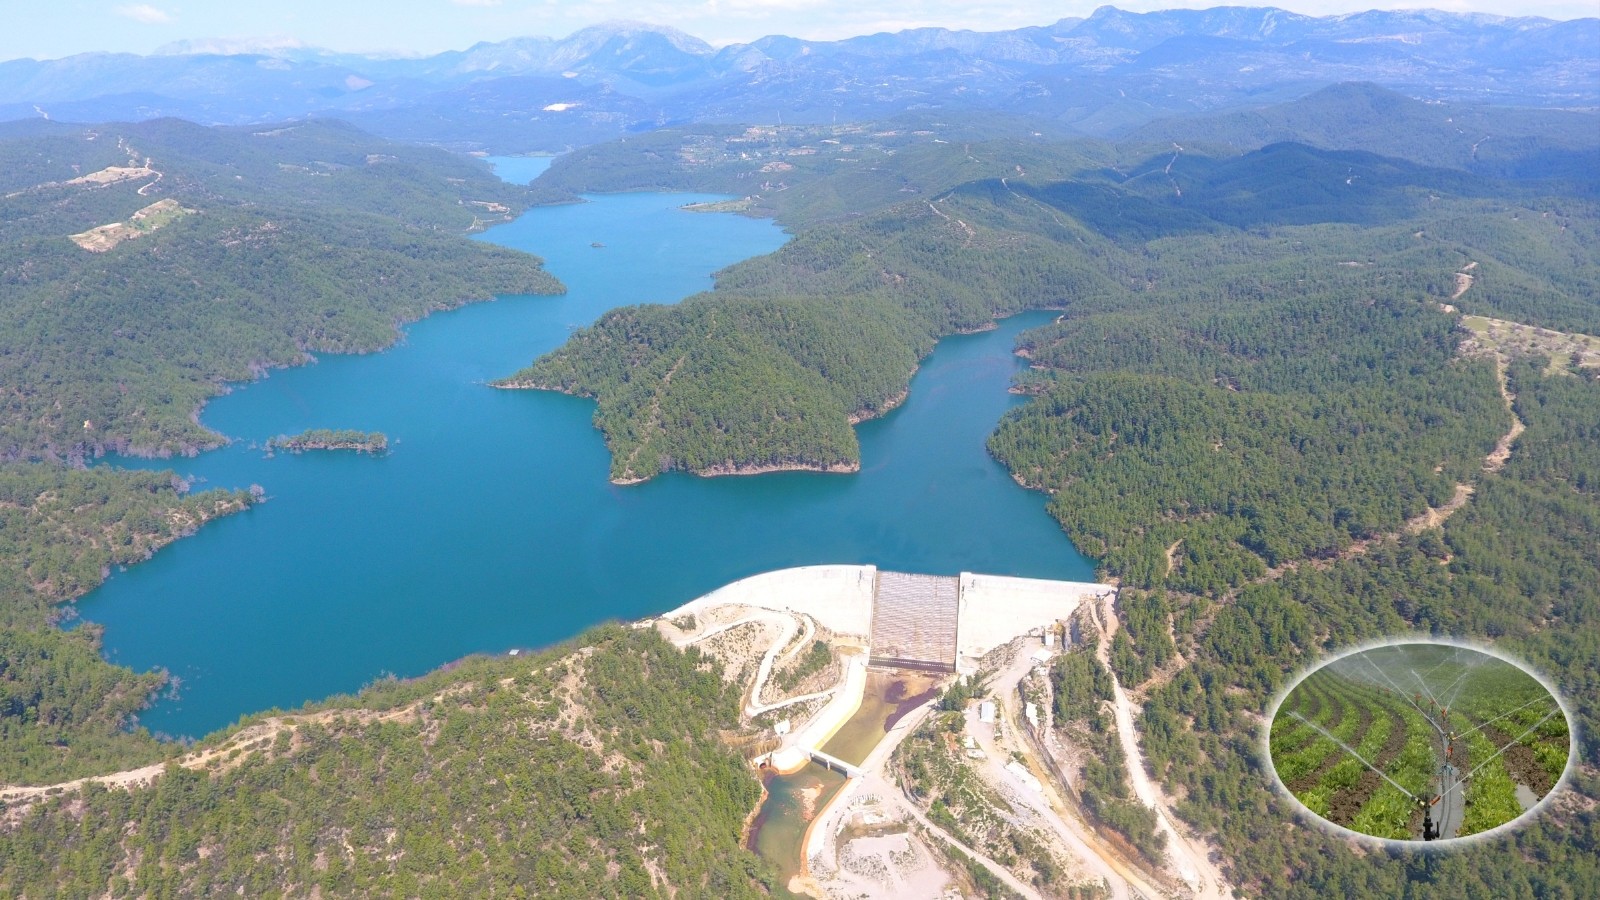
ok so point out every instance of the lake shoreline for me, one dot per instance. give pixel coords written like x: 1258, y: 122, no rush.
x: 889, y: 406
x: 498, y: 524
x: 82, y: 452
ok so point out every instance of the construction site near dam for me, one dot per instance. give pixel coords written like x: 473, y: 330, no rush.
x: 908, y: 746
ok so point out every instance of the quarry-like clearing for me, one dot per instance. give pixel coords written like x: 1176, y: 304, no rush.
x: 156, y: 216
x: 114, y: 174
x: 1564, y: 348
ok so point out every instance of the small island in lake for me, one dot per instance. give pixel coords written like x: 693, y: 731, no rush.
x: 332, y: 439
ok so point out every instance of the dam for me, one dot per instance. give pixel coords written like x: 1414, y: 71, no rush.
x: 901, y: 638
x: 907, y: 621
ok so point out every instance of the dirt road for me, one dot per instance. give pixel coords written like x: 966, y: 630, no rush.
x: 1077, y: 836
x: 217, y: 757
x: 1188, y: 858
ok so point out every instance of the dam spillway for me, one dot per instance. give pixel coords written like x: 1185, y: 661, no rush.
x: 903, y: 620
x: 915, y: 621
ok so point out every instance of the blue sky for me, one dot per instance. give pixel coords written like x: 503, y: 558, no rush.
x: 53, y: 28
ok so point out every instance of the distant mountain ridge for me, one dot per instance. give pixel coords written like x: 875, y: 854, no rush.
x: 1112, y: 70
x: 1515, y: 143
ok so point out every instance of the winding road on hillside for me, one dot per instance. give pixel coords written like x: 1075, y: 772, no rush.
x: 220, y: 758
x: 1188, y: 858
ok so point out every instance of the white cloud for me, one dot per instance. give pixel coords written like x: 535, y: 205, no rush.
x: 144, y: 13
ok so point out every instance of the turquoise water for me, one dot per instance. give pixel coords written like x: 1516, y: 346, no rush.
x: 490, y: 523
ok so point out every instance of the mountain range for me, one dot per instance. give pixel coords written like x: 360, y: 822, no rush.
x: 1100, y: 75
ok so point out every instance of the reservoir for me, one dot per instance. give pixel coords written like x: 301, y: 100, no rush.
x: 491, y: 524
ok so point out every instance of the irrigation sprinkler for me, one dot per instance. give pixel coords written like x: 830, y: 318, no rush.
x: 1441, y: 683
x: 1385, y: 676
x: 1535, y: 727
x: 1503, y: 715
x: 1457, y: 684
x: 1424, y: 687
x: 1430, y: 831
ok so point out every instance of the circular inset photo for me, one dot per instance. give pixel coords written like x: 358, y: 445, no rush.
x: 1419, y: 741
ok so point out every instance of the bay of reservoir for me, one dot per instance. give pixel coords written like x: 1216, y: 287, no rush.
x: 491, y: 524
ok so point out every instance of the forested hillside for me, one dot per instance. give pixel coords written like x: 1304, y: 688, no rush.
x: 1259, y: 409
x: 1269, y: 453
x: 772, y: 367
x: 116, y: 344
x: 64, y: 711
x: 592, y: 772
x: 807, y: 174
x: 804, y: 174
x: 142, y: 266
x: 1522, y: 143
x: 1516, y: 565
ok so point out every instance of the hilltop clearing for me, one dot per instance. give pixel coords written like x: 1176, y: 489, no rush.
x: 1567, y: 352
x: 154, y: 217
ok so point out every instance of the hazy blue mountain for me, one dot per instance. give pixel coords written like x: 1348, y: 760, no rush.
x: 645, y: 55
x: 268, y: 83
x: 1110, y: 71
x: 1039, y: 45
x: 520, y: 112
x: 1521, y: 143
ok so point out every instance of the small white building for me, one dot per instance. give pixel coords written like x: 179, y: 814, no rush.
x: 986, y: 712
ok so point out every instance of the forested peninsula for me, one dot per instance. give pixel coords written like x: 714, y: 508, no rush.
x: 900, y: 240
x: 144, y: 266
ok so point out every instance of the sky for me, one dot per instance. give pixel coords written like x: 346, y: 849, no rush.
x: 45, y: 29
